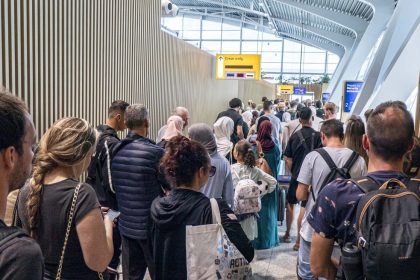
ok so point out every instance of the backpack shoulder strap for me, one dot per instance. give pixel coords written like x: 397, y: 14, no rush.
x: 351, y: 161
x: 302, y: 141
x: 294, y: 130
x: 365, y: 184
x: 327, y: 158
x: 414, y: 185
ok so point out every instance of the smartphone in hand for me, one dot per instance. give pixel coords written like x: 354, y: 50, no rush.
x: 113, y: 214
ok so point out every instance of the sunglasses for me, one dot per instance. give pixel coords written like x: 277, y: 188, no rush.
x: 212, y: 171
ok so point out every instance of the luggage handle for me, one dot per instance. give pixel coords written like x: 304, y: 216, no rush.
x: 393, y: 180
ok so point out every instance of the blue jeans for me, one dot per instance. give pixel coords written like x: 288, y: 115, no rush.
x: 304, y: 267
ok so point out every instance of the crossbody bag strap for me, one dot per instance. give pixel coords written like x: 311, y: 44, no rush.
x: 68, y: 228
x: 294, y: 130
x: 303, y: 141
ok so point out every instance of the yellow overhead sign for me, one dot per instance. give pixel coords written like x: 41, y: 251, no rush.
x: 238, y: 66
x: 285, y: 89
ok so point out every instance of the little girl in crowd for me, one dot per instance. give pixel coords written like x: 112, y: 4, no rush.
x: 245, y: 168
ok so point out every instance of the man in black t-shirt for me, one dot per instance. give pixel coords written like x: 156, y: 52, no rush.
x: 300, y: 144
x: 99, y: 171
x: 233, y: 113
x: 20, y: 256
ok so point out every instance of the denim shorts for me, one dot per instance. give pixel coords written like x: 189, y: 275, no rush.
x: 304, y: 256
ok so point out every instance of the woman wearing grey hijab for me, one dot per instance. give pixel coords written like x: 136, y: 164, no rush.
x: 220, y: 185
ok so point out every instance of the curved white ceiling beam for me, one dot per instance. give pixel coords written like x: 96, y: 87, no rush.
x: 349, y: 67
x: 333, y: 49
x: 346, y: 41
x: 336, y: 50
x: 357, y: 25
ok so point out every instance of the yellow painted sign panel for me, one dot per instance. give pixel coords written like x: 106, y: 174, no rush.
x: 238, y: 66
x: 285, y: 89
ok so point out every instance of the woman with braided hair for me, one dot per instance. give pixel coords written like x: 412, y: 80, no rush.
x: 61, y: 214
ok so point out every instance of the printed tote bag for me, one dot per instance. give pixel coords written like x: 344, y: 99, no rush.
x: 211, y: 255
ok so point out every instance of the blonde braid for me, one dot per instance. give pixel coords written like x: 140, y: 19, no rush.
x: 44, y: 164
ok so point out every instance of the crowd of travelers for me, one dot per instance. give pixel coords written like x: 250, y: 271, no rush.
x: 197, y: 202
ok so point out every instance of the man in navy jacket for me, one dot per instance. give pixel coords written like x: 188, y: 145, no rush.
x: 137, y: 181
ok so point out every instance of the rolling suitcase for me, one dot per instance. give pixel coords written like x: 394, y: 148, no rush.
x: 283, y: 184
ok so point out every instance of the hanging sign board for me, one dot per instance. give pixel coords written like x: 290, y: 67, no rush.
x: 299, y: 90
x: 351, y: 90
x: 285, y: 89
x: 238, y: 66
x: 326, y: 96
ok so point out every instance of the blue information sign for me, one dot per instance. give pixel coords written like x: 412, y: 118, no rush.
x: 326, y: 96
x: 351, y: 91
x: 299, y: 90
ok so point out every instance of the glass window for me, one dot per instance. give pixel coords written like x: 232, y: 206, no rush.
x: 333, y: 58
x: 331, y: 68
x: 270, y: 57
x: 313, y: 68
x: 290, y: 46
x: 314, y: 57
x: 227, y: 26
x: 312, y: 49
x: 249, y: 34
x: 290, y: 78
x: 291, y: 57
x: 271, y: 77
x: 190, y: 35
x: 271, y: 67
x: 231, y: 35
x: 211, y: 45
x: 212, y: 35
x: 174, y: 23
x: 215, y: 24
x: 232, y: 46
x: 269, y: 36
x: 249, y: 46
x: 271, y: 46
x: 251, y: 53
x: 291, y: 67
x: 191, y: 23
x: 194, y: 43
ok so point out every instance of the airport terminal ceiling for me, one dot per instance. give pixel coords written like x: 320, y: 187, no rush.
x: 329, y: 25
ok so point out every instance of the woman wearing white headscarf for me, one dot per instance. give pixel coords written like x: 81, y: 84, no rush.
x: 174, y: 128
x: 223, y: 129
x: 247, y: 117
x: 220, y: 185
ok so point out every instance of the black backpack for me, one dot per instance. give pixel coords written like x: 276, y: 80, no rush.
x: 388, y: 229
x: 335, y: 172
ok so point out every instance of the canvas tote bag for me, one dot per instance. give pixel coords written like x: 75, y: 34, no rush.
x: 211, y: 255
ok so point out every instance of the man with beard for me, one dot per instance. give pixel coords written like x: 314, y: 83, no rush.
x: 20, y: 256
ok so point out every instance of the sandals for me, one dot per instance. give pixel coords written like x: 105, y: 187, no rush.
x: 286, y: 239
x: 296, y: 247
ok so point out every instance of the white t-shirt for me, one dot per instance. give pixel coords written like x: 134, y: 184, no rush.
x: 313, y: 172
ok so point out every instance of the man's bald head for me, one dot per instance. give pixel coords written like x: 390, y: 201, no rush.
x: 183, y: 113
x: 390, y: 130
